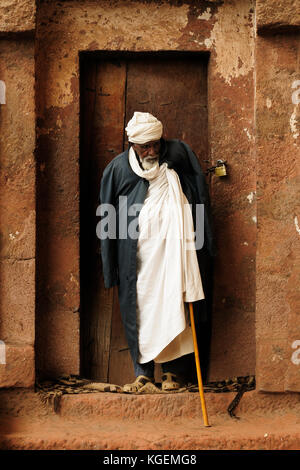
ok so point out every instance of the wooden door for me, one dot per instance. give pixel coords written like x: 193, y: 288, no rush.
x: 174, y: 89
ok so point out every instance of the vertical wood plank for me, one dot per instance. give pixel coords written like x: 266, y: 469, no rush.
x: 120, y: 364
x: 107, y: 141
x: 174, y: 89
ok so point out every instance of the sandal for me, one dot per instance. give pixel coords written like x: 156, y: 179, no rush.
x: 169, y: 382
x: 139, y: 382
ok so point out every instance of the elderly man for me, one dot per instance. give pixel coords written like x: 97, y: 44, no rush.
x: 154, y: 187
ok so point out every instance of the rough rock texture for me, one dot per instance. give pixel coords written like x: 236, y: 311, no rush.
x: 17, y: 16
x: 278, y: 209
x: 19, y: 370
x: 17, y: 301
x: 20, y: 402
x: 283, y: 15
x: 254, y: 433
x: 116, y: 421
x: 17, y: 212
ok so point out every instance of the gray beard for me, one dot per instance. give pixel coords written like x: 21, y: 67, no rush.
x: 148, y: 163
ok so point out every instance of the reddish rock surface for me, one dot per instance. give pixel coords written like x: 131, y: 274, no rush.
x: 278, y: 15
x: 17, y: 212
x: 120, y: 422
x: 278, y: 178
x: 17, y: 16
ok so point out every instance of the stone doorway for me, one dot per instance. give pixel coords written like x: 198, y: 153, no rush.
x: 173, y: 87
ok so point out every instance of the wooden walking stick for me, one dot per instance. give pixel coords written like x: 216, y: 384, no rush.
x: 199, y: 376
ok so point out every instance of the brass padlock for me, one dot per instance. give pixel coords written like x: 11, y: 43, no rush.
x: 220, y: 168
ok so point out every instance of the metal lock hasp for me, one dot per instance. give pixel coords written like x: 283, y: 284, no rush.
x: 220, y: 168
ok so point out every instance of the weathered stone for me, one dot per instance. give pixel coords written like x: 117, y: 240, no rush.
x: 17, y: 205
x: 17, y: 195
x: 17, y: 302
x: 116, y: 421
x: 57, y: 350
x: 19, y: 370
x: 17, y: 15
x: 277, y: 286
x: 271, y: 364
x: 277, y: 15
x: 17, y: 144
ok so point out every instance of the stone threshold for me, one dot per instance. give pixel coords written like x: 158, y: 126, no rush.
x: 114, y: 421
x: 18, y: 402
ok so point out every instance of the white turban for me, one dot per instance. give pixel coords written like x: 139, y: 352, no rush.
x: 143, y: 127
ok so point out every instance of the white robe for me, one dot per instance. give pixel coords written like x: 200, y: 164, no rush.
x: 167, y: 268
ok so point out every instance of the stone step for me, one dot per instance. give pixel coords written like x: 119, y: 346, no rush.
x: 173, y: 405
x: 98, y: 433
x: 157, y: 422
x: 24, y: 402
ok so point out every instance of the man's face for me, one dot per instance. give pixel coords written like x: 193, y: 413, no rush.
x: 148, y: 151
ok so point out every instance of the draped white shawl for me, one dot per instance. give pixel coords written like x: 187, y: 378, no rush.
x: 167, y: 268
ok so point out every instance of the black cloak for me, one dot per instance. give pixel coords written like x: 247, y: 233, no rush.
x: 118, y: 253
